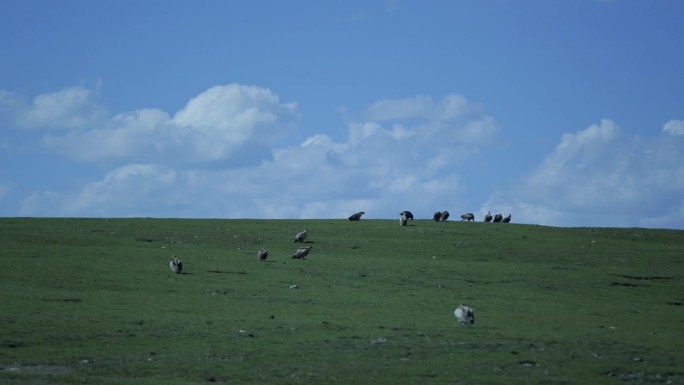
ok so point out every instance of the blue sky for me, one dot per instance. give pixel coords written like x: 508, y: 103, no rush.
x: 563, y: 113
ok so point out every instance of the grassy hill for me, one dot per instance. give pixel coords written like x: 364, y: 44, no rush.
x: 93, y: 301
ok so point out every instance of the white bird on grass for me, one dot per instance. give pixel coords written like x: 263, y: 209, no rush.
x: 262, y: 254
x: 301, y: 236
x: 176, y: 264
x: 465, y: 315
x: 301, y: 252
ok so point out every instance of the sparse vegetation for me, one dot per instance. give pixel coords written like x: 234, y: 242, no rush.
x: 93, y: 301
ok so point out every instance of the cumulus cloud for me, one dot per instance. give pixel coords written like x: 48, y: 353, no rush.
x: 225, y: 123
x: 425, y: 136
x: 130, y: 136
x: 219, y: 157
x: 292, y: 186
x: 70, y: 108
x: 224, y: 117
x: 597, y: 176
x: 383, y: 166
x: 674, y: 127
x: 131, y: 190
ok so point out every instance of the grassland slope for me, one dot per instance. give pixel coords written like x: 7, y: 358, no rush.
x: 93, y: 301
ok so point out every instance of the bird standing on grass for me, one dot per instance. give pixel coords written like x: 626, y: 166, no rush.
x: 301, y: 252
x: 465, y: 315
x: 405, y: 217
x: 262, y: 254
x: 301, y: 236
x: 176, y: 264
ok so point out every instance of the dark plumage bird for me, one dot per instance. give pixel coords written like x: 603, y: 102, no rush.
x: 465, y: 315
x: 507, y: 219
x: 407, y: 214
x: 301, y: 236
x: 468, y: 217
x: 488, y: 217
x: 437, y: 216
x: 445, y: 216
x: 498, y: 218
x: 301, y: 252
x: 176, y: 265
x: 262, y: 254
x: 357, y: 216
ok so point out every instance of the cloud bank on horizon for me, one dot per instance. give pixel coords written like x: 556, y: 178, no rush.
x: 229, y: 153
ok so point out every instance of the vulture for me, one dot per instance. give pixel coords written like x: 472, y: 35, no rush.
x: 407, y: 214
x: 301, y: 236
x: 465, y: 315
x: 468, y: 217
x: 488, y: 217
x: 437, y: 216
x: 498, y: 218
x: 301, y: 252
x: 262, y: 254
x: 357, y: 216
x: 507, y: 219
x: 445, y: 216
x: 176, y: 265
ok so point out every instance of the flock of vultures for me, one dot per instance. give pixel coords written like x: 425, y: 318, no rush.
x: 440, y: 216
x: 464, y: 314
x: 176, y: 263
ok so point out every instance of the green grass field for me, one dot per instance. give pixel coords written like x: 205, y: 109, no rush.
x: 93, y: 301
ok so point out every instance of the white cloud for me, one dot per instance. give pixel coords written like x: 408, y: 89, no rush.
x: 231, y: 123
x: 127, y: 189
x: 137, y: 135
x: 224, y: 117
x: 406, y: 160
x: 70, y: 108
x: 598, y: 177
x: 362, y: 132
x: 392, y: 109
x: 674, y: 127
x: 585, y: 145
x: 131, y: 190
x: 382, y: 167
x: 449, y: 108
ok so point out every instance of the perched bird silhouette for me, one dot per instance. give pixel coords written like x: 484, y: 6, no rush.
x: 465, y: 315
x: 301, y: 252
x: 301, y: 236
x: 440, y: 216
x: 488, y: 217
x: 176, y: 264
x: 507, y: 219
